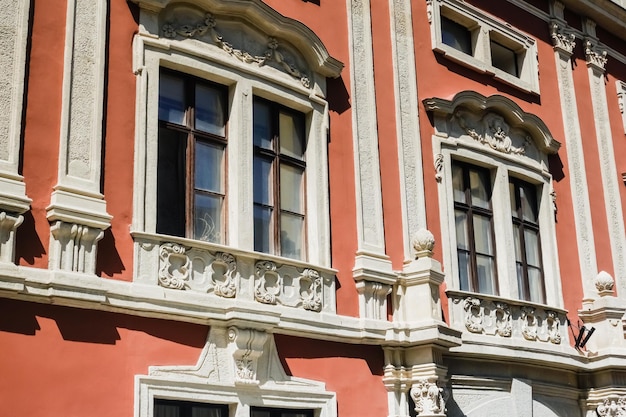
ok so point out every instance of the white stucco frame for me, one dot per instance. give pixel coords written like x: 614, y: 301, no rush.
x: 153, y: 51
x: 450, y: 145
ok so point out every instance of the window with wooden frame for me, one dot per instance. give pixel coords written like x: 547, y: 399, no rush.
x: 279, y: 170
x: 175, y: 408
x: 279, y: 412
x: 525, y: 215
x: 474, y: 228
x: 191, y: 158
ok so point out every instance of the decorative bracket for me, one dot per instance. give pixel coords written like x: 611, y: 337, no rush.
x: 73, y: 247
x: 246, y: 346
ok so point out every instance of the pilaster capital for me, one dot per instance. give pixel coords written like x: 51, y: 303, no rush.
x: 595, y: 56
x: 563, y: 39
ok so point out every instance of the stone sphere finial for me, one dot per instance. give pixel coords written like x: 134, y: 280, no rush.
x: 604, y: 283
x: 423, y: 243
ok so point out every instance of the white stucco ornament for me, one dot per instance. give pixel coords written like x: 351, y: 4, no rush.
x: 612, y: 407
x: 604, y: 283
x: 423, y: 243
x: 428, y: 398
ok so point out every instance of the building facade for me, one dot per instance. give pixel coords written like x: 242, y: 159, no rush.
x: 288, y: 208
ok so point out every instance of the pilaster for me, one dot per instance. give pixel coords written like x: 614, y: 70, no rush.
x: 13, y: 199
x: 596, y: 62
x: 372, y: 267
x: 564, y: 41
x: 76, y: 204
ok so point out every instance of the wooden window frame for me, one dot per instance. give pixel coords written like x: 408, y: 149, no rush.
x: 524, y: 224
x: 194, y: 136
x: 469, y: 209
x: 279, y: 159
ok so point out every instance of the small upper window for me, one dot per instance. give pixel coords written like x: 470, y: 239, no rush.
x: 477, y: 40
x: 191, y: 156
x: 279, y: 167
x: 170, y: 408
x: 456, y: 35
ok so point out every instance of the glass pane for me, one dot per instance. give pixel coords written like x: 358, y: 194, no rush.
x: 456, y: 35
x: 294, y: 415
x: 208, y: 167
x: 208, y: 218
x: 166, y: 410
x: 528, y: 199
x: 210, y: 110
x: 262, y: 125
x: 263, y: 241
x: 457, y: 184
x: 291, y: 235
x: 262, y: 181
x: 512, y: 191
x: 504, y: 58
x: 171, y: 182
x: 479, y: 190
x: 291, y: 182
x: 464, y: 270
x: 521, y: 286
x: 485, y: 270
x: 171, y: 99
x: 531, y: 240
x: 482, y: 235
x: 535, y: 284
x: 460, y: 221
x: 518, y: 242
x: 205, y: 412
x: 259, y: 413
x: 291, y: 135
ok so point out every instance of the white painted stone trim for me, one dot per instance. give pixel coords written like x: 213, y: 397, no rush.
x: 621, y: 99
x: 215, y: 379
x: 576, y: 163
x: 482, y: 25
x: 407, y: 123
x: 608, y: 170
x: 205, y: 60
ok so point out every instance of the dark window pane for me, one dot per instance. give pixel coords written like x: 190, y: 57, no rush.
x: 263, y: 237
x: 486, y: 274
x: 458, y: 184
x: 262, y: 180
x: 462, y: 238
x: 464, y: 270
x: 291, y: 188
x: 171, y: 183
x: 171, y: 99
x: 528, y: 198
x: 479, y: 188
x: 535, y: 283
x: 210, y: 110
x: 263, y: 134
x: 504, y: 58
x: 482, y: 235
x: 456, y: 35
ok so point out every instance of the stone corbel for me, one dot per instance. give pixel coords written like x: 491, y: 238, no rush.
x: 73, y: 247
x: 245, y: 346
x: 373, y: 285
x: 9, y: 223
x: 428, y: 398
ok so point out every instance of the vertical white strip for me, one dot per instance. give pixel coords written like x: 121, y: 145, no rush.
x: 77, y: 196
x: 564, y: 45
x: 407, y: 123
x: 608, y: 170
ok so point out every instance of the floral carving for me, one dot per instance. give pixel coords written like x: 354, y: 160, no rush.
x: 245, y: 370
x: 503, y: 320
x: 604, y: 283
x: 562, y: 40
x: 595, y: 56
x: 438, y: 167
x: 207, y: 26
x: 529, y: 323
x: 227, y: 287
x: 473, y: 315
x: 174, y: 266
x: 553, y: 326
x: 423, y: 242
x: 612, y: 407
x: 268, y: 282
x: 428, y: 398
x: 496, y: 133
x: 311, y: 289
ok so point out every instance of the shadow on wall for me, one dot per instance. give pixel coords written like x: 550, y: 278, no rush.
x: 92, y: 326
x: 28, y: 246
x: 108, y: 260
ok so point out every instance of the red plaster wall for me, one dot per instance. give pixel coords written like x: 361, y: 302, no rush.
x: 61, y: 361
x: 354, y: 373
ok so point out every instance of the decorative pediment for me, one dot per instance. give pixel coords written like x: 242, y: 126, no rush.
x: 495, y: 122
x: 249, y: 31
